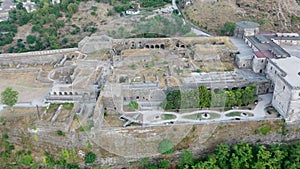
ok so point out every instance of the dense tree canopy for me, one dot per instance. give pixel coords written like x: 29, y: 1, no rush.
x: 243, y: 156
x: 202, y: 97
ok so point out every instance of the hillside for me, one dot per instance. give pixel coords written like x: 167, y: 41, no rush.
x: 278, y: 16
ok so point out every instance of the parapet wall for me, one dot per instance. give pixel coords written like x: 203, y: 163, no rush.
x: 33, y: 58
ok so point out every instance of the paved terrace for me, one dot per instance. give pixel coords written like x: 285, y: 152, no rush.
x: 152, y: 118
x: 237, y: 78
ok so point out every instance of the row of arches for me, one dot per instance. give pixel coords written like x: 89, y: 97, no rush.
x: 226, y: 88
x: 155, y: 46
x: 65, y: 93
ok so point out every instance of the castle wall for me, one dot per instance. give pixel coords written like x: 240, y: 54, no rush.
x: 294, y: 106
x: 33, y: 58
x: 258, y: 65
x: 281, y: 97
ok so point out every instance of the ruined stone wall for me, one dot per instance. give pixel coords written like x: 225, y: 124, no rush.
x: 264, y: 87
x: 112, y: 105
x: 243, y: 63
x: 33, y: 58
x: 151, y: 43
x: 145, y: 92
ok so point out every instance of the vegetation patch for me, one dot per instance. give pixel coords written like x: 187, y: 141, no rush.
x: 165, y: 147
x: 232, y: 114
x: 168, y: 116
x: 202, y: 97
x: 264, y: 129
x: 241, y: 155
x: 133, y: 105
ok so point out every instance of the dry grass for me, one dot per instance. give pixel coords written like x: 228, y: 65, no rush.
x: 112, y: 120
x: 17, y: 111
x: 273, y: 15
x: 215, y: 66
x: 29, y: 88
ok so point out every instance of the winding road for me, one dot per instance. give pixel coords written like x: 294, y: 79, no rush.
x: 194, y: 29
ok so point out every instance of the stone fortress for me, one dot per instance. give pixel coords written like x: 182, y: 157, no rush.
x: 274, y: 56
x: 103, y: 75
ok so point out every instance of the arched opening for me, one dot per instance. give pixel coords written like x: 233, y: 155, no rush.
x: 182, y: 46
x: 260, y: 71
x: 137, y: 97
x: 65, y: 93
x: 234, y: 88
x: 216, y: 90
x: 60, y: 93
x: 70, y: 93
x: 157, y: 46
x: 147, y: 46
x: 132, y: 45
x: 54, y: 93
x: 152, y: 46
x: 162, y: 46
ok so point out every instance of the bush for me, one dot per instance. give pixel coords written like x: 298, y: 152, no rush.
x: 60, y: 133
x: 166, y: 147
x: 90, y: 157
x: 133, y: 105
x: 5, y: 136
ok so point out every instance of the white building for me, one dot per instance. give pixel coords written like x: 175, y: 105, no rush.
x: 246, y: 28
x: 132, y: 12
x: 285, y: 76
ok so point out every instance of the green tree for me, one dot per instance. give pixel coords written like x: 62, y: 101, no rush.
x: 30, y: 39
x: 204, y: 97
x: 228, y: 29
x: 186, y: 159
x: 164, y: 164
x: 293, y: 160
x: 165, y: 147
x: 9, y: 97
x: 242, y: 156
x: 90, y: 157
x: 223, y: 155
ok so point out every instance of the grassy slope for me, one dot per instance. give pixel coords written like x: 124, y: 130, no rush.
x: 279, y: 15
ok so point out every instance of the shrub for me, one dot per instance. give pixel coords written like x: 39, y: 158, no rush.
x: 166, y: 147
x: 133, y: 105
x: 90, y: 157
x: 60, y: 133
x: 5, y: 136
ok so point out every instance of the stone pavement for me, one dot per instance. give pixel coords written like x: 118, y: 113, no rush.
x: 155, y: 117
